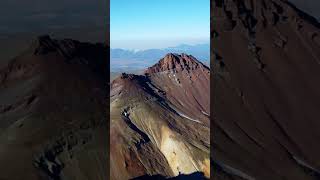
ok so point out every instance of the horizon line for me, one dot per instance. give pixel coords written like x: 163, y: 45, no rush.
x: 143, y: 49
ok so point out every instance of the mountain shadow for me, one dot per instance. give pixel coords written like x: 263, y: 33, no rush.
x: 193, y: 176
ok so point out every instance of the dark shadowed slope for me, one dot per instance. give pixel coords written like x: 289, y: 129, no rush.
x: 53, y: 105
x: 160, y: 120
x: 193, y: 176
x: 266, y: 95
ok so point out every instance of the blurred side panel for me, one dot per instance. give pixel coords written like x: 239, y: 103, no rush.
x: 265, y: 95
x: 54, y: 72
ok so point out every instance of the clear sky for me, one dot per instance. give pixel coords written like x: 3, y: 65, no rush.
x: 146, y: 24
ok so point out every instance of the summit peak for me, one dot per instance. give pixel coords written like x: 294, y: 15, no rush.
x: 177, y: 62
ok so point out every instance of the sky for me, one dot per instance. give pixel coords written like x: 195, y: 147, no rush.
x: 147, y: 24
x: 85, y: 20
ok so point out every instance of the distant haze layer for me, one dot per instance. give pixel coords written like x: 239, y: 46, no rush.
x: 123, y: 60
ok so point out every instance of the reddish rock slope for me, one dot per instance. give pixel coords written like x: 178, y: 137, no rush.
x: 265, y: 96
x: 160, y: 120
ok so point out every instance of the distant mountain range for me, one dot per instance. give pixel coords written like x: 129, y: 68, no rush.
x: 124, y: 60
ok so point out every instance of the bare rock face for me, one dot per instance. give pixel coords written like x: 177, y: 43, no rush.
x: 53, y: 121
x: 176, y: 62
x: 160, y: 121
x: 265, y: 95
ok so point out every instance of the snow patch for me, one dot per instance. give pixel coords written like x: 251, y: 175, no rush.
x: 236, y: 172
x: 185, y: 116
x: 205, y: 113
x: 303, y: 163
x: 189, y: 118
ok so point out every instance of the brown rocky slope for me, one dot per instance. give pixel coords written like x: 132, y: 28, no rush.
x: 160, y: 121
x: 53, y: 122
x: 265, y: 91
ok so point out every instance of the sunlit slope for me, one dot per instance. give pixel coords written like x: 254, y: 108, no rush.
x: 150, y: 134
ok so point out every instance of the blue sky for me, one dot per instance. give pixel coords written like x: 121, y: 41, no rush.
x: 146, y: 24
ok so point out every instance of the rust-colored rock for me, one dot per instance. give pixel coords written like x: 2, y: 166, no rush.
x: 162, y: 120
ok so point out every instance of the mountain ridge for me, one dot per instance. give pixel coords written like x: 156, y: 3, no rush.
x: 149, y: 110
x: 174, y: 61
